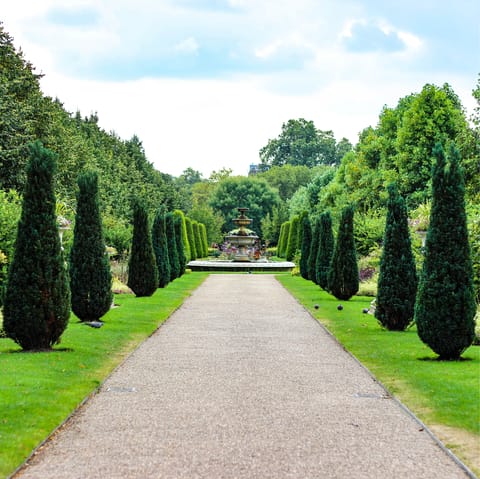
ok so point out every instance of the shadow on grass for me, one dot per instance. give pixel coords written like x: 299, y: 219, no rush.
x: 440, y: 360
x: 36, y: 351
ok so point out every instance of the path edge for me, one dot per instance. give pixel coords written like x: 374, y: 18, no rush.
x: 391, y: 396
x: 92, y: 394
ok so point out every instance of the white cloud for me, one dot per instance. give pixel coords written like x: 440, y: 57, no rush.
x: 269, y: 62
x: 187, y: 46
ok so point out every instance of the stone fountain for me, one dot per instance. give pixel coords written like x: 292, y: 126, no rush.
x: 242, y: 237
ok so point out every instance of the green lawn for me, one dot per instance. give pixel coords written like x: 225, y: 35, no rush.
x: 39, y: 390
x: 443, y: 394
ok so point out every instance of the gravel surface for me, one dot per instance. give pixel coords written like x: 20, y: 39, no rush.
x: 241, y: 382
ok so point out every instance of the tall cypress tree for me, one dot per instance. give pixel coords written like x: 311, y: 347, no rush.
x: 343, y: 281
x: 37, y: 297
x: 284, y: 239
x: 186, y: 244
x: 203, y: 236
x: 397, y: 282
x: 445, y: 306
x: 191, y: 240
x: 197, y: 239
x: 90, y: 275
x: 312, y: 257
x: 172, y: 247
x: 306, y: 241
x: 326, y: 245
x: 280, y: 240
x: 160, y: 248
x: 177, y: 222
x: 291, y: 248
x: 142, y: 267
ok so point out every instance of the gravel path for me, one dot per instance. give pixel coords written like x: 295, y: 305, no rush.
x: 241, y: 382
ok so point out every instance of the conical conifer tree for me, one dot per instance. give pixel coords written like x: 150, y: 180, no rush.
x: 312, y: 257
x: 37, y: 297
x: 445, y: 306
x: 177, y: 222
x: 172, y: 247
x: 90, y: 275
x: 306, y: 242
x: 292, y: 238
x: 397, y: 282
x: 326, y: 245
x: 343, y: 281
x: 160, y: 248
x: 282, y: 250
x: 191, y: 240
x: 142, y: 267
x: 197, y: 239
x: 186, y: 244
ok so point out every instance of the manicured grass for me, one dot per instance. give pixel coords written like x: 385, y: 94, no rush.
x: 39, y: 390
x: 440, y: 393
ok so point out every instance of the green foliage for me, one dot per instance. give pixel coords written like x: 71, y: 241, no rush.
x: 253, y: 193
x: 434, y: 115
x: 213, y: 222
x: 118, y: 234
x: 343, y: 281
x: 305, y: 250
x: 203, y: 239
x: 397, y: 282
x: 37, y: 299
x: 21, y: 101
x: 90, y: 276
x: 10, y: 210
x: 182, y: 261
x: 272, y: 223
x: 173, y: 257
x: 301, y: 144
x: 474, y: 236
x: 369, y: 230
x: 160, y: 248
x: 142, y: 267
x: 292, y: 238
x: 191, y: 239
x: 445, y: 307
x: 282, y: 244
x: 287, y: 179
x: 312, y: 257
x: 184, y: 236
x: 197, y: 239
x: 326, y: 245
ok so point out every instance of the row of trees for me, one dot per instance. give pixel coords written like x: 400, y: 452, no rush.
x: 443, y: 306
x: 42, y: 288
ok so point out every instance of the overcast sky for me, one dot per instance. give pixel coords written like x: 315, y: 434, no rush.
x: 206, y: 83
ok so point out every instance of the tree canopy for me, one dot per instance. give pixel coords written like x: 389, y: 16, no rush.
x: 300, y: 143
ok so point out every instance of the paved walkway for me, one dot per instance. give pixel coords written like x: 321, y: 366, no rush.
x: 241, y: 382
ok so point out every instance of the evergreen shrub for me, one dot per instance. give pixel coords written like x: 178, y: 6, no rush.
x: 343, y: 280
x: 37, y: 298
x: 445, y: 306
x: 142, y: 267
x: 90, y: 275
x: 397, y: 281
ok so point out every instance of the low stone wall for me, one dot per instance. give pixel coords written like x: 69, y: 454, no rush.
x: 240, y: 266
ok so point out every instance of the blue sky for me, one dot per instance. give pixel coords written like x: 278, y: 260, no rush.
x: 206, y: 83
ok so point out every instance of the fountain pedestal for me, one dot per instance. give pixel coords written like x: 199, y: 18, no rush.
x: 242, y: 237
